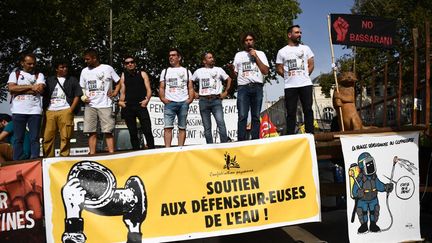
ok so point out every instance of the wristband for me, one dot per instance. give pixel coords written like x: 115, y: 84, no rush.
x: 74, y: 225
x: 134, y: 237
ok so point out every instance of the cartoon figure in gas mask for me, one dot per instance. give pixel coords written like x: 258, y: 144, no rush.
x: 365, y: 191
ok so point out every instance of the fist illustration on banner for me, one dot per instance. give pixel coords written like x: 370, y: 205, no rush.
x: 341, y: 27
x: 93, y: 187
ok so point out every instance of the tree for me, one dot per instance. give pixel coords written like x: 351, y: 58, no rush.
x: 144, y: 28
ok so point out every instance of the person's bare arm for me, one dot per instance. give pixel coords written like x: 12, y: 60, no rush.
x: 279, y: 69
x: 191, y: 92
x: 162, y: 93
x: 227, y: 88
x: 148, y: 89
x: 311, y: 65
x: 262, y: 67
x: 16, y: 89
x: 3, y: 136
x: 122, y: 102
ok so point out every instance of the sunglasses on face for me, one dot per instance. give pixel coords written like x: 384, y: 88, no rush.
x: 130, y: 62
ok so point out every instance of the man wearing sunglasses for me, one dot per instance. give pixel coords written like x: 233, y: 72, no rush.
x: 135, y: 94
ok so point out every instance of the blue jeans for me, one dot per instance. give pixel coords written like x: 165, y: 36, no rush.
x: 249, y: 96
x: 173, y: 109
x: 213, y: 106
x: 20, y: 121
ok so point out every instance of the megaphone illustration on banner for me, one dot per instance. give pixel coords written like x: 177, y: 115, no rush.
x: 93, y: 187
x: 102, y: 195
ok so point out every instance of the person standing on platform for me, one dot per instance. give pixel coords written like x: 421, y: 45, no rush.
x: 211, y: 94
x: 176, y: 92
x: 250, y: 67
x: 61, y: 100
x: 135, y: 94
x: 96, y: 81
x: 295, y: 63
x: 26, y: 86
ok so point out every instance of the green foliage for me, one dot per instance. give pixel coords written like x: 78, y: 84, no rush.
x: 64, y: 29
x: 326, y: 81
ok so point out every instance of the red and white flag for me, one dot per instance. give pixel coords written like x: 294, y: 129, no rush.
x: 267, y: 129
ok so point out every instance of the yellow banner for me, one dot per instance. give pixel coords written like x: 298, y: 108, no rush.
x: 184, y: 192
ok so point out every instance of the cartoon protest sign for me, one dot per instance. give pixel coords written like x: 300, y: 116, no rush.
x: 383, y: 184
x: 182, y: 193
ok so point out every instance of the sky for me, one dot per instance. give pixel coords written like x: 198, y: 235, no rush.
x: 313, y: 23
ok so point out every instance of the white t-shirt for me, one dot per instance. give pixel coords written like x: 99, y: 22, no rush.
x: 97, y: 82
x: 210, y: 80
x: 295, y: 65
x: 26, y: 103
x: 247, y: 69
x: 176, y: 83
x: 58, y: 98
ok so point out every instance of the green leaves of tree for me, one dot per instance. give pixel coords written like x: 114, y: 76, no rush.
x: 63, y: 29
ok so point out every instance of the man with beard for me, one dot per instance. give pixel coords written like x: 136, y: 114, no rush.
x: 209, y: 79
x: 295, y: 62
x: 135, y: 94
x: 250, y: 66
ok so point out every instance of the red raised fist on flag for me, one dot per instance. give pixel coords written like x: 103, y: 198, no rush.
x: 341, y: 27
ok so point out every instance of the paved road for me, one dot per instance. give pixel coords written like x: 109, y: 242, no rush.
x: 332, y: 229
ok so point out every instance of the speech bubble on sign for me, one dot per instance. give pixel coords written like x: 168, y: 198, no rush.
x: 405, y: 188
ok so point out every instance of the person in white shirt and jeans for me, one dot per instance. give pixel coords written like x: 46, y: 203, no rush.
x: 211, y: 92
x: 250, y: 67
x: 26, y: 86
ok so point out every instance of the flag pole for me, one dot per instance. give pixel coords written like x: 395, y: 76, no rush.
x: 334, y: 70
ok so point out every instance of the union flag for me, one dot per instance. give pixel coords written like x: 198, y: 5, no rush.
x: 267, y: 129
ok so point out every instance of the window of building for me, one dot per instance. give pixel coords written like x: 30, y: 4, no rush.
x: 328, y: 113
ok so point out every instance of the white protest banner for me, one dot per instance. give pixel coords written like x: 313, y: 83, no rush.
x: 194, y: 129
x: 382, y: 177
